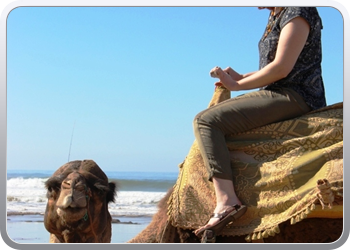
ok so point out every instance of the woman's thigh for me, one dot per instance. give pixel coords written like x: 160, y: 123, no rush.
x: 254, y: 109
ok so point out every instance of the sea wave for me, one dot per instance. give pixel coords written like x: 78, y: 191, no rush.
x: 134, y: 198
x: 144, y: 185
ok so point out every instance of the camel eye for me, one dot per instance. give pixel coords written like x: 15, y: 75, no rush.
x: 54, y: 189
x: 80, y: 187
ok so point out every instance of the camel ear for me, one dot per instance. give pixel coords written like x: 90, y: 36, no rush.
x: 111, y: 192
x: 101, y: 187
x: 94, y: 181
x: 54, y: 182
x: 53, y: 186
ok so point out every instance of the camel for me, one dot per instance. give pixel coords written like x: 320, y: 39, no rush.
x: 312, y: 230
x: 289, y: 174
x: 77, y: 208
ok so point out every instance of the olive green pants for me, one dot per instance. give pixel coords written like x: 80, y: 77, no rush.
x: 239, y: 114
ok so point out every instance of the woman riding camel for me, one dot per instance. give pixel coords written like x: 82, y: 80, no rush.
x: 289, y: 83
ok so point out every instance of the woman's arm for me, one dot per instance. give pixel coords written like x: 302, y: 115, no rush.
x: 292, y: 40
x: 236, y: 76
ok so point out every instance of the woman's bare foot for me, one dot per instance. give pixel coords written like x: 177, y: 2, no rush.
x: 212, y: 221
x: 219, y: 220
x: 225, y: 199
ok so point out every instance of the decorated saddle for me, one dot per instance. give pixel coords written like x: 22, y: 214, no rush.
x: 286, y: 171
x: 289, y: 170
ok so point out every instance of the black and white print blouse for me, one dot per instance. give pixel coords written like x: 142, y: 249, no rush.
x: 306, y: 76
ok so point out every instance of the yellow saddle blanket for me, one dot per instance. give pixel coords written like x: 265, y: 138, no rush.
x: 276, y: 169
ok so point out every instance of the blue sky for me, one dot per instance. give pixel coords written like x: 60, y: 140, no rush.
x: 128, y: 81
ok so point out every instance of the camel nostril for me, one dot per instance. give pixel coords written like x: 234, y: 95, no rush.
x: 67, y: 201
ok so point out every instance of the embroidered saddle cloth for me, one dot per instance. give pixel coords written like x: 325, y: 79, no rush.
x: 276, y: 169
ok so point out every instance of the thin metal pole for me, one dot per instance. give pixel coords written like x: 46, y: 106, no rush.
x: 71, y: 140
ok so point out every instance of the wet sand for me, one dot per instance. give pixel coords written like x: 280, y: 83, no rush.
x: 30, y: 228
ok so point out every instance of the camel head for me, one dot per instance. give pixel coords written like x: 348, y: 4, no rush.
x: 78, y: 195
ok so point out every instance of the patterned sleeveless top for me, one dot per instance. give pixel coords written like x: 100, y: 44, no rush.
x: 306, y: 76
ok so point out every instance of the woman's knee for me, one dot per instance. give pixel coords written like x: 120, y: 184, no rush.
x: 202, y: 117
x: 211, y: 117
x: 200, y: 120
x: 196, y: 120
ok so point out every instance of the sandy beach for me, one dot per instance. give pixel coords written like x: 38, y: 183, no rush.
x: 29, y: 228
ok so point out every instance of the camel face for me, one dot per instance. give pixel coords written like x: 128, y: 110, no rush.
x: 73, y: 199
x: 77, y: 208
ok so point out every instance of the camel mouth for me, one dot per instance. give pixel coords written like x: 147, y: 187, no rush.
x: 72, y: 214
x: 71, y: 209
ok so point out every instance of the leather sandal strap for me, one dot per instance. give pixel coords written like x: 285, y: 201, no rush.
x: 224, y: 213
x: 217, y: 215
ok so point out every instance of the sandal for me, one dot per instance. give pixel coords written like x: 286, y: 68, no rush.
x: 230, y: 214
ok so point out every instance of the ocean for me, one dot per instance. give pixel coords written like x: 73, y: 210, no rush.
x: 136, y: 202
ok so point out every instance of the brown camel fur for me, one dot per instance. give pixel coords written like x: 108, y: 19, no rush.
x: 313, y: 230
x: 77, y: 209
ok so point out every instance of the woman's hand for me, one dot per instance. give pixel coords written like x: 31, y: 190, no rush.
x: 219, y: 84
x: 234, y: 75
x: 225, y: 77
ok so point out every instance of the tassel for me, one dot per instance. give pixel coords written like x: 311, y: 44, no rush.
x: 248, y: 238
x: 259, y: 237
x: 276, y: 229
x: 271, y: 232
x: 254, y: 236
x: 303, y: 215
x: 313, y: 206
x: 292, y: 221
x: 307, y: 211
x: 265, y: 234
